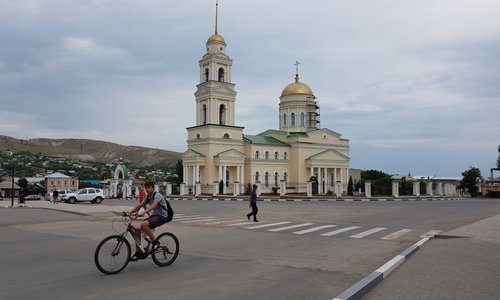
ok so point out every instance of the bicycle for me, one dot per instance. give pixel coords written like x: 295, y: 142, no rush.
x: 112, y: 254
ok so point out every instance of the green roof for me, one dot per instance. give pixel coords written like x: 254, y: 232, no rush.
x: 263, y: 140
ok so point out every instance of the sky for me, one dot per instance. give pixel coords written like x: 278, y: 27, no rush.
x: 414, y: 85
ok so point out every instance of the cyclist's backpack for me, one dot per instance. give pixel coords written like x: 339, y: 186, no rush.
x: 170, y: 211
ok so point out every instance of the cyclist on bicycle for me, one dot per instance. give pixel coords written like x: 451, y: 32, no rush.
x: 158, y: 205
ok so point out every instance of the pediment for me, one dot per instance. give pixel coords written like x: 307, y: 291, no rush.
x: 231, y: 153
x: 191, y: 154
x: 328, y: 155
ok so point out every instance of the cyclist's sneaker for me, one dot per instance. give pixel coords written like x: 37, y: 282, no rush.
x: 155, y: 245
x: 138, y: 255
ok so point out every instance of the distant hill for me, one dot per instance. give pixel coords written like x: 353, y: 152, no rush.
x: 90, y: 150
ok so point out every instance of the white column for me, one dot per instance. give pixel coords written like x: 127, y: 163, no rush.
x: 416, y: 188
x: 224, y: 171
x: 169, y: 188
x: 194, y: 178
x: 215, y: 190
x: 326, y: 180
x: 238, y: 174
x: 428, y: 188
x: 368, y: 189
x: 439, y: 188
x: 395, y: 188
x: 220, y: 172
x: 184, y: 173
x: 320, y: 184
x: 312, y: 172
x: 334, y: 175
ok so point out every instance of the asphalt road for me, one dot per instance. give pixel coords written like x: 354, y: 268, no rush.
x: 48, y: 254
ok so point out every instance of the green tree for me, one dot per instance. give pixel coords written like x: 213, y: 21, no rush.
x: 381, y: 182
x: 179, y: 170
x: 470, y: 181
x: 498, y: 159
x: 23, y: 183
x: 350, y: 186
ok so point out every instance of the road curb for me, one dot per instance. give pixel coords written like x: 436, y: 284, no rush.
x: 312, y: 200
x: 360, y: 288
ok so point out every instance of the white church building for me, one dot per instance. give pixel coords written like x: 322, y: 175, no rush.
x: 298, y: 158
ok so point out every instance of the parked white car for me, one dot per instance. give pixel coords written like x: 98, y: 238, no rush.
x: 86, y: 194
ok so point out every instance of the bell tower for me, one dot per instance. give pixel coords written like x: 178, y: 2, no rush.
x: 215, y: 94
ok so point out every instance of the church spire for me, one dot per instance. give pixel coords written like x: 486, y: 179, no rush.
x: 216, y: 16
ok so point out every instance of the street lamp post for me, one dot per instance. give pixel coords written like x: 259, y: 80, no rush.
x: 10, y: 153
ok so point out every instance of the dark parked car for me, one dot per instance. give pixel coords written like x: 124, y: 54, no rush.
x: 33, y: 197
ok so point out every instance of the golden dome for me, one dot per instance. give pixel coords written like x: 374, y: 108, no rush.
x: 215, y: 38
x: 297, y: 88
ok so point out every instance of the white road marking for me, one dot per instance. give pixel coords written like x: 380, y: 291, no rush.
x: 290, y: 227
x: 314, y: 229
x: 225, y: 221
x: 193, y: 218
x: 238, y: 224
x: 340, y: 230
x: 267, y: 225
x: 368, y: 232
x: 397, y: 234
x: 199, y: 220
x: 185, y: 216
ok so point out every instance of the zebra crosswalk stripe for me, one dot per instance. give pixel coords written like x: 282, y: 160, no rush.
x: 199, y: 220
x: 289, y: 227
x: 340, y: 230
x: 314, y: 229
x: 396, y: 234
x: 224, y: 221
x: 267, y: 225
x: 368, y: 232
x: 193, y: 218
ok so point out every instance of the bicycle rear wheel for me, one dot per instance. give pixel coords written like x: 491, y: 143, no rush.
x: 167, y: 251
x: 112, y: 254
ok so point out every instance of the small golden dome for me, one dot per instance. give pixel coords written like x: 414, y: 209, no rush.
x: 216, y: 38
x: 297, y: 88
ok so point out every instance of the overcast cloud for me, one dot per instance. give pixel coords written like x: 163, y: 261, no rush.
x: 414, y: 85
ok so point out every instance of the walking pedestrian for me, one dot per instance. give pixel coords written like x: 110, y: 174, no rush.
x: 253, y: 204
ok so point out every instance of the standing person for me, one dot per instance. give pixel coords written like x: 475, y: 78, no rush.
x: 142, y: 194
x: 253, y: 204
x: 158, y: 205
x: 55, y: 196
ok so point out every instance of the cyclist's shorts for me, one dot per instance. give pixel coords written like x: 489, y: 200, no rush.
x: 155, y: 221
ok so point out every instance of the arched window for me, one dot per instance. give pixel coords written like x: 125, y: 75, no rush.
x: 266, y: 179
x: 285, y: 155
x: 221, y: 75
x: 222, y: 114
x: 292, y: 119
x: 276, y: 155
x: 206, y: 74
x: 302, y: 119
x: 267, y: 154
x: 256, y: 176
x: 204, y: 114
x: 198, y: 136
x: 257, y: 154
x: 226, y: 136
x: 276, y: 179
x: 284, y: 119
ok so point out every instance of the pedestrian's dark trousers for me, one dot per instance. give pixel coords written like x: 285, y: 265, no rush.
x: 254, y: 210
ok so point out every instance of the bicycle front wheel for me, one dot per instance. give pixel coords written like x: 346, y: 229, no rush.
x: 166, y: 253
x: 112, y: 254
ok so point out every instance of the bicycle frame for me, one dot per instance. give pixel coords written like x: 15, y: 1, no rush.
x: 132, y: 230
